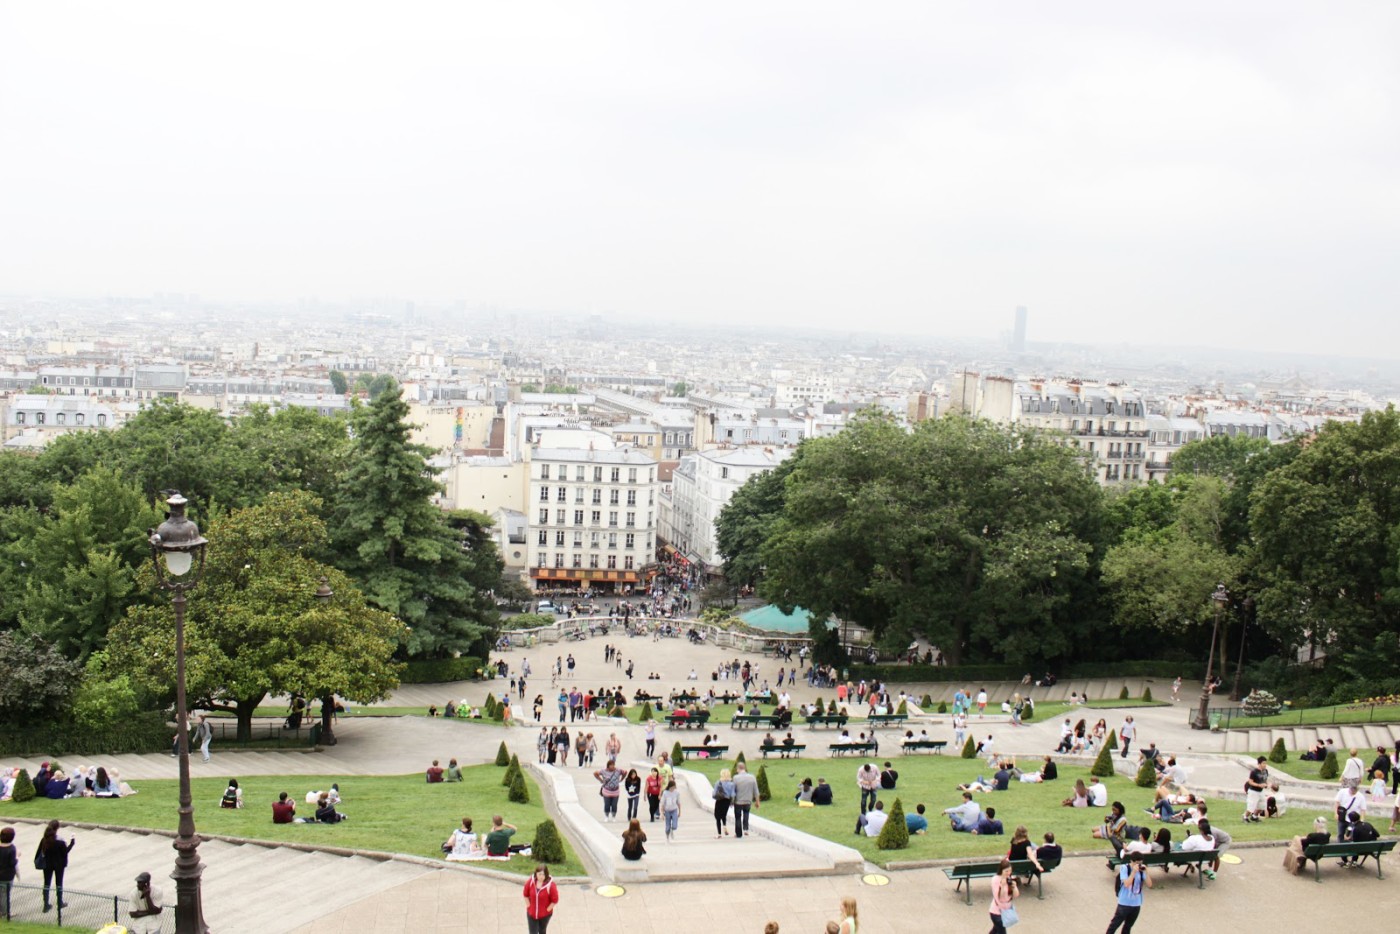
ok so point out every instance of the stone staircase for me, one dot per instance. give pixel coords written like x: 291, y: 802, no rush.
x: 1362, y: 736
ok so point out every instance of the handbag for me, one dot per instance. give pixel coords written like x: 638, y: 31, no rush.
x: 1009, y: 916
x: 39, y: 862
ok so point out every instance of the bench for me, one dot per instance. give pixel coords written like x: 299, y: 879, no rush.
x: 817, y: 720
x: 712, y: 752
x: 642, y: 697
x: 886, y: 719
x: 728, y: 697
x: 936, y: 746
x: 785, y: 751
x: 964, y: 873
x: 1372, y: 848
x: 694, y: 720
x: 739, y: 721
x: 840, y: 749
x: 1195, y: 858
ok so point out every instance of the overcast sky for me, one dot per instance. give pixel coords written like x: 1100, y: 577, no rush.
x: 1185, y: 173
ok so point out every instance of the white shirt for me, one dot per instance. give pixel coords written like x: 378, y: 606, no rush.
x: 875, y: 822
x: 982, y: 697
x: 1098, y: 795
x: 1350, y: 801
x: 1126, y: 732
x: 1137, y: 846
x: 1175, y: 773
x: 1354, y: 768
x: 148, y: 924
x: 1197, y: 842
x: 1066, y: 729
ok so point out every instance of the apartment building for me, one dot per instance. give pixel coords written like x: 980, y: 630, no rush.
x: 700, y: 488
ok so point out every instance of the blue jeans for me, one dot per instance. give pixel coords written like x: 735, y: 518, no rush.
x: 609, y: 805
x: 867, y: 798
x: 673, y: 820
x: 741, y: 819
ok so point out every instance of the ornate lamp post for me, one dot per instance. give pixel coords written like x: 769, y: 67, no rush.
x: 324, y: 595
x: 1202, y: 722
x: 177, y: 548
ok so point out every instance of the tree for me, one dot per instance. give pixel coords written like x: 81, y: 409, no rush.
x: 254, y: 625
x: 1279, y: 754
x: 1112, y: 741
x: 24, y: 788
x: 1146, y: 774
x: 105, y: 697
x: 895, y: 834
x: 677, y: 753
x: 1103, y: 763
x: 765, y: 793
x: 294, y: 448
x: 339, y: 384
x: 969, y: 750
x: 519, y: 792
x: 647, y: 713
x: 502, y: 755
x: 38, y: 683
x: 746, y: 521
x: 548, y: 846
x: 410, y: 561
x: 1329, y: 768
x: 1223, y: 456
x: 680, y: 389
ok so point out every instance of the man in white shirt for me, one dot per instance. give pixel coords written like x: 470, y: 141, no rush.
x: 1173, y: 773
x: 1348, y: 800
x: 868, y: 778
x: 873, y: 821
x: 964, y: 816
x: 1098, y: 793
x: 145, y: 906
x: 982, y: 703
x: 1125, y: 735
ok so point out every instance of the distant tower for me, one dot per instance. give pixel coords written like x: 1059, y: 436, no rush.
x: 1018, y: 333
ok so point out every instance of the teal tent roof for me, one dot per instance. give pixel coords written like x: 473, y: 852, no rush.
x: 775, y: 620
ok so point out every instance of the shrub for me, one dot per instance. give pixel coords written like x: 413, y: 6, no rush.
x: 142, y: 732
x: 24, y: 788
x: 969, y: 749
x: 1147, y: 774
x: 1103, y: 765
x: 509, y: 775
x: 498, y: 712
x: 903, y: 710
x: 1147, y: 695
x: 1329, y: 768
x: 439, y: 670
x: 1029, y: 712
x: 1123, y: 694
x: 740, y: 758
x: 489, y: 708
x: 647, y: 713
x: 548, y: 846
x: 895, y: 834
x: 927, y: 701
x: 942, y: 706
x: 764, y: 793
x: 616, y: 712
x: 503, y: 755
x: 1261, y: 704
x: 1112, y: 741
x: 1280, y: 752
x: 518, y: 792
x: 821, y: 711
x: 677, y: 754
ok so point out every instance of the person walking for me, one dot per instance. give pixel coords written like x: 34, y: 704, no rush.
x: 52, y: 858
x: 144, y: 906
x: 206, y: 736
x: 654, y: 788
x: 1132, y: 876
x: 611, y: 779
x: 1003, y: 891
x: 651, y: 738
x: 868, y: 780
x: 671, y: 809
x: 723, y: 795
x: 541, y: 895
x: 632, y: 785
x: 1126, y: 734
x: 745, y: 797
x: 9, y: 868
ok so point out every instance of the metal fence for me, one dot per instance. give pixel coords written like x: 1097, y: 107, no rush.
x: 82, y: 910
x: 1224, y: 718
x: 265, y: 732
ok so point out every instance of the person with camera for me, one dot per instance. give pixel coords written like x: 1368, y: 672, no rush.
x: 1132, y: 878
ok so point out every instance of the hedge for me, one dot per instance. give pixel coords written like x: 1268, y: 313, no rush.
x: 959, y: 674
x: 439, y: 670
x: 145, y: 732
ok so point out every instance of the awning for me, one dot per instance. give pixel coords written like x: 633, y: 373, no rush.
x: 584, y: 574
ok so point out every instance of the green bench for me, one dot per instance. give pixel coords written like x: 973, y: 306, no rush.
x: 711, y: 752
x: 1196, y: 858
x: 887, y: 719
x: 1370, y: 848
x: 964, y: 873
x: 740, y: 721
x: 696, y: 719
x: 786, y: 751
x: 935, y: 746
x: 840, y: 749
x: 817, y: 720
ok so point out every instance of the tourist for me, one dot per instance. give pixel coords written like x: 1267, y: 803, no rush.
x: 52, y: 858
x: 1254, y: 788
x: 745, y: 797
x: 872, y: 821
x: 1353, y: 772
x: 1022, y: 850
x: 498, y: 839
x: 464, y: 844
x: 283, y: 811
x: 326, y: 812
x: 1003, y: 892
x: 9, y: 867
x: 1125, y: 736
x: 632, y: 839
x: 206, y: 736
x: 1347, y: 801
x: 847, y: 924
x: 671, y: 808
x: 654, y: 795
x: 868, y: 781
x: 723, y: 795
x: 144, y: 905
x: 453, y: 773
x: 1098, y: 793
x: 434, y: 773
x: 650, y: 735
x: 542, y: 745
x: 233, y: 795
x: 963, y: 817
x: 917, y: 822
x: 632, y: 785
x: 822, y: 794
x: 1115, y: 822
x: 541, y: 895
x: 611, y: 779
x: 1132, y: 876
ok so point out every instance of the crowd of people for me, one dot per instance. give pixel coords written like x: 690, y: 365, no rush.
x: 53, y: 782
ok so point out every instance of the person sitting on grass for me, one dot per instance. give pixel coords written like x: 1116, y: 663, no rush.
x: 233, y: 795
x: 821, y: 794
x: 283, y: 811
x: 1115, y: 822
x: 464, y: 845
x: 326, y: 812
x: 498, y: 840
x: 988, y: 825
x: 804, y: 791
x: 453, y: 773
x: 963, y: 817
x: 434, y: 773
x: 873, y: 821
x: 917, y: 822
x: 1080, y: 798
x: 1098, y: 793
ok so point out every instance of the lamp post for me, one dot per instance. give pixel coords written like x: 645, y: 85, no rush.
x: 323, y: 597
x: 1202, y: 721
x: 176, y: 549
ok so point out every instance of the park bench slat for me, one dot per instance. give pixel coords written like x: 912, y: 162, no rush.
x: 1368, y: 848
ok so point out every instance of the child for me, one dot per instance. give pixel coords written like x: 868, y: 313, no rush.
x: 1275, y: 805
x: 1378, y: 787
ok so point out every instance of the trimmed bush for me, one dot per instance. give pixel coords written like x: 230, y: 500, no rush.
x: 503, y: 755
x: 1112, y: 741
x: 647, y: 712
x: 821, y: 711
x: 439, y: 670
x: 1261, y: 704
x: 1280, y: 752
x: 616, y: 712
x: 24, y: 788
x: 1029, y: 712
x: 498, y: 712
x: 1329, y: 768
x: 518, y: 792
x: 489, y: 707
x: 942, y: 706
x: 969, y: 749
x: 927, y: 701
x: 548, y: 846
x: 903, y: 710
x: 508, y: 776
x: 895, y: 834
x: 740, y: 758
x: 764, y: 793
x: 1147, y: 695
x: 1123, y: 694
x: 677, y: 754
x: 1103, y: 765
x: 1147, y: 775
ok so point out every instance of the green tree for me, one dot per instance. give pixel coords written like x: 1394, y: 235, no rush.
x: 1329, y: 768
x: 519, y: 792
x: 39, y: 682
x: 294, y: 448
x: 548, y: 846
x: 895, y: 834
x: 254, y: 625
x: 1146, y: 775
x: 746, y: 521
x: 1112, y: 741
x: 1223, y: 456
x: 1279, y: 754
x: 1103, y: 763
x: 105, y: 697
x: 680, y: 389
x: 677, y: 753
x: 765, y: 793
x: 502, y: 755
x: 24, y: 788
x: 339, y: 384
x: 969, y: 750
x: 387, y: 533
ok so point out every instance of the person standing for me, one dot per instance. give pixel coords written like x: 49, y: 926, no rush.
x: 541, y: 895
x: 671, y: 809
x: 745, y: 797
x: 611, y: 779
x: 632, y: 785
x: 52, y: 858
x: 9, y: 868
x: 1003, y: 891
x: 1126, y: 734
x: 982, y: 703
x: 145, y: 905
x: 206, y: 736
x: 1254, y: 788
x: 723, y: 795
x: 1176, y: 688
x: 1132, y: 877
x: 654, y: 787
x: 1353, y: 772
x: 651, y: 738
x: 868, y: 780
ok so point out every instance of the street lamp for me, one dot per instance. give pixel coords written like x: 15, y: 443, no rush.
x: 1221, y: 597
x: 176, y: 549
x: 323, y: 597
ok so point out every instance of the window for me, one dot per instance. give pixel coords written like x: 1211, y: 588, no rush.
x: 597, y: 475
x: 561, y: 495
x: 597, y: 518
x: 559, y: 539
x: 561, y: 516
x: 631, y: 474
x: 578, y: 517
x: 578, y: 539
x: 616, y: 474
x: 612, y: 519
x: 578, y: 495
x: 593, y: 539
x: 631, y: 540
x: 544, y: 537
x: 80, y: 418
x: 578, y: 561
x: 544, y: 471
x: 612, y: 561
x: 544, y: 517
x: 612, y: 497
x: 627, y: 562
x: 19, y: 418
x: 597, y: 497
x: 631, y: 497
x: 578, y: 473
x: 38, y: 418
x: 61, y: 418
x: 631, y: 520
x: 593, y: 561
x: 612, y: 539
x: 544, y: 494
x: 650, y: 495
x: 724, y: 473
x: 651, y: 478
x: 559, y: 560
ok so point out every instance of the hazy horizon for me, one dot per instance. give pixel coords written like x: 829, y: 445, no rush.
x: 1191, y: 176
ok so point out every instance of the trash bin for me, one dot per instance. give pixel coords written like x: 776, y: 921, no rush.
x: 315, y: 734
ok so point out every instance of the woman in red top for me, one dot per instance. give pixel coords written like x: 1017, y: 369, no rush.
x: 541, y: 895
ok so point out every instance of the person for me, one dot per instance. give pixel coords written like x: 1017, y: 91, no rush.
x: 632, y: 785
x: 723, y: 795
x: 1126, y: 734
x: 9, y: 867
x: 1022, y: 850
x: 650, y: 735
x: 888, y: 777
x: 1049, y: 772
x: 1098, y: 793
x: 987, y: 825
x: 745, y: 797
x: 804, y: 791
x: 917, y: 822
x: 1275, y: 803
x: 611, y: 779
x: 283, y: 811
x: 1132, y: 877
x: 981, y: 703
x: 1254, y: 787
x: 145, y: 905
x: 453, y: 773
x: 1201, y: 841
x: 464, y: 844
x: 58, y: 786
x: 1176, y: 688
x: 654, y: 795
x: 872, y: 821
x: 1004, y: 890
x: 1378, y: 787
x: 233, y: 795
x: 1049, y: 850
x: 1346, y: 801
x: 498, y: 840
x: 671, y: 809
x: 964, y: 817
x: 541, y: 895
x: 868, y: 781
x: 326, y: 812
x: 1143, y: 842
x: 103, y: 785
x: 632, y: 839
x: 1080, y: 798
x: 52, y: 858
x: 1113, y: 826
x: 822, y: 795
x: 849, y: 916
x: 206, y: 736
x: 1353, y: 771
x: 1358, y: 831
x: 434, y: 773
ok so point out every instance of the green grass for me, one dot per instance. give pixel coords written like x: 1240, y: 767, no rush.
x: 933, y: 781
x: 1299, y: 768
x: 1320, y: 716
x: 396, y: 814
x: 1058, y: 710
x: 25, y: 927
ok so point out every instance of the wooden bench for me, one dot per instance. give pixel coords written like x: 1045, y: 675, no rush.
x: 740, y: 721
x: 817, y: 720
x: 641, y: 697
x: 694, y: 720
x: 964, y: 873
x: 1194, y: 858
x: 840, y: 749
x: 936, y: 746
x: 886, y: 719
x: 712, y: 751
x: 785, y: 751
x: 1372, y: 848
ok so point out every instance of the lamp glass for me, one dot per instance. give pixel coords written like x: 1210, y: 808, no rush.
x: 178, y: 562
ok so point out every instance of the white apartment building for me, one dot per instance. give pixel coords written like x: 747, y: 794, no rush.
x: 1165, y: 436
x: 700, y: 487
x: 592, y: 509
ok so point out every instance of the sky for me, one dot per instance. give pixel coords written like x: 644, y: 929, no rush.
x: 1186, y: 173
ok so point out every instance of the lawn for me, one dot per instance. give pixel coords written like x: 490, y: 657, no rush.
x: 1058, y: 710
x: 1300, y: 768
x: 396, y: 814
x: 933, y: 780
x: 1320, y: 716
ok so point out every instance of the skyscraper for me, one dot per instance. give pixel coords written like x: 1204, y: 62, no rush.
x: 1018, y: 332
